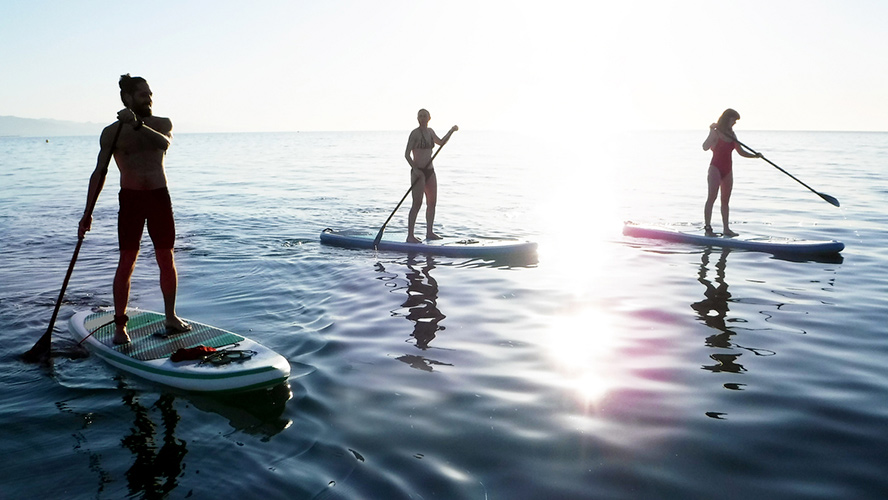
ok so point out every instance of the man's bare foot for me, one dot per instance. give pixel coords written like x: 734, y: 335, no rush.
x: 120, y: 336
x: 176, y: 325
x: 432, y: 236
x: 730, y: 234
x: 413, y: 239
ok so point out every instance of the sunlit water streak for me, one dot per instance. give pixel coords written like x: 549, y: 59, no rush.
x: 607, y: 368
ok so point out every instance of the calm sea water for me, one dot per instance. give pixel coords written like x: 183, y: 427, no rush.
x: 607, y: 368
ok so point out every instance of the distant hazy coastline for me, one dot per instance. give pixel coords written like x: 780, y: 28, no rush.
x: 29, y: 127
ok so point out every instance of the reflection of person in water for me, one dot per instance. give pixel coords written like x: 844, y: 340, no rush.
x: 422, y: 298
x: 422, y: 310
x: 713, y: 311
x: 155, y: 471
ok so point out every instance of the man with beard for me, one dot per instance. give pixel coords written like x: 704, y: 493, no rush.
x: 139, y: 141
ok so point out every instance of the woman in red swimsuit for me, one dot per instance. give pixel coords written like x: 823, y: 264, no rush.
x: 722, y: 142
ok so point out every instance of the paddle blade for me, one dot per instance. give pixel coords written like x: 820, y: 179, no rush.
x: 41, y: 350
x: 378, y: 237
x: 829, y: 199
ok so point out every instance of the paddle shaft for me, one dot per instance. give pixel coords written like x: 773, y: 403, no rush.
x: 44, y: 344
x: 382, y: 229
x: 826, y: 197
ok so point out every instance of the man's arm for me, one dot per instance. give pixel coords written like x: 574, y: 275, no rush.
x: 97, y: 179
x: 160, y: 132
x: 160, y: 138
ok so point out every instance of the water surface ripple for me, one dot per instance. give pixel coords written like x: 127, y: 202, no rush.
x: 608, y: 367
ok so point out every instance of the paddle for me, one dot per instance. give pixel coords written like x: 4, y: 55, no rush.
x: 42, y: 348
x: 829, y: 199
x: 379, y: 234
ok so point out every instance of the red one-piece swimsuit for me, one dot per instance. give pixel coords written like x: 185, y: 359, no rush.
x: 721, y: 156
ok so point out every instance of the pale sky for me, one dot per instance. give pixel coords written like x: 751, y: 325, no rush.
x: 545, y: 65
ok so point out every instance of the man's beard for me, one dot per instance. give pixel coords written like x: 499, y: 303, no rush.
x: 142, y: 111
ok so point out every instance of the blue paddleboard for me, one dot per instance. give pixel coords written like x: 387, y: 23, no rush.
x: 695, y: 236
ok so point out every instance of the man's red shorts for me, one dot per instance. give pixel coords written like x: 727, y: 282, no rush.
x: 137, y: 208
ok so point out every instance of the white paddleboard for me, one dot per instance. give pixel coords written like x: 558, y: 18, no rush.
x: 240, y: 365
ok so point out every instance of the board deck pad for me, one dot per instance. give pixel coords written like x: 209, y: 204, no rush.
x: 150, y: 339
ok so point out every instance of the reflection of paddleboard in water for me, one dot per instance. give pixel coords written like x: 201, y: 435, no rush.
x: 235, y: 363
x: 777, y: 246
x: 447, y: 247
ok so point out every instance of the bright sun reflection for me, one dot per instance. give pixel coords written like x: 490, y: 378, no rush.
x: 582, y: 216
x: 579, y: 208
x: 585, y: 348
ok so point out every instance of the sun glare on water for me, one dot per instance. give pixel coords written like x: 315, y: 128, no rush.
x: 584, y: 345
x: 581, y: 216
x: 582, y: 221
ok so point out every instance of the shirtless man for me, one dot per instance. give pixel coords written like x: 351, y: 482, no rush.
x: 139, y: 153
x: 422, y: 173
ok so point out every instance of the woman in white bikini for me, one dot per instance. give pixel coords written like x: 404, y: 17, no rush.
x: 422, y: 173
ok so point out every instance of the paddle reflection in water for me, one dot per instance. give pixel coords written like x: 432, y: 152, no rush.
x: 713, y: 311
x: 422, y: 309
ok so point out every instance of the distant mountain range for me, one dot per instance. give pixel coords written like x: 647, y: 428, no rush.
x: 29, y: 127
